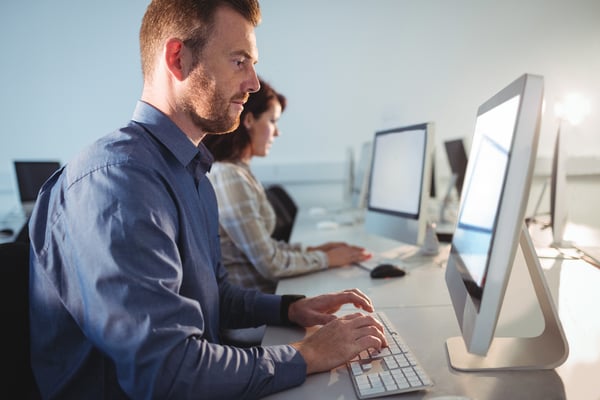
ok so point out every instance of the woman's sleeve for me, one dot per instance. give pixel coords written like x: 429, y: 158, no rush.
x: 240, y: 202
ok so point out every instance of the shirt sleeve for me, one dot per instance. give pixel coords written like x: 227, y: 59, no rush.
x: 240, y: 200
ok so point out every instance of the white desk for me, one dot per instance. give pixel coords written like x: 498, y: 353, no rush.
x: 14, y: 221
x: 11, y: 215
x: 419, y: 305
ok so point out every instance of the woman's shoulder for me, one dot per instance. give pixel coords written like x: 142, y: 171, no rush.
x: 227, y: 167
x: 229, y: 171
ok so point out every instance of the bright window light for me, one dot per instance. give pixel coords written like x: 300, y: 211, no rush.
x: 574, y: 108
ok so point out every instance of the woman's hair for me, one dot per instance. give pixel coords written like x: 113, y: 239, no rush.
x: 231, y: 146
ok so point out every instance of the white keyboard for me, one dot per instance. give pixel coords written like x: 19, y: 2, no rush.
x: 393, y: 370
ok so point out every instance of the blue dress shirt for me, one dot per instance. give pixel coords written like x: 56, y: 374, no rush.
x: 127, y: 291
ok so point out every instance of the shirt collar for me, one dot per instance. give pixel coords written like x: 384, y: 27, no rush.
x: 165, y: 131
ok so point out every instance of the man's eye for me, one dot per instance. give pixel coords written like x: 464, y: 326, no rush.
x: 240, y: 63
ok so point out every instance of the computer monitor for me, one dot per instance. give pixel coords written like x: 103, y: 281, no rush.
x: 31, y: 175
x: 457, y: 159
x: 558, y: 194
x: 399, y: 183
x: 360, y: 184
x: 489, y: 232
x: 432, y: 183
x: 349, y: 168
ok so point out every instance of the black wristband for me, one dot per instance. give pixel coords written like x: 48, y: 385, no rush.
x: 286, y: 300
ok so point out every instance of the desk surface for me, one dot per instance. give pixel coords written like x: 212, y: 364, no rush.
x: 13, y: 221
x: 419, y: 305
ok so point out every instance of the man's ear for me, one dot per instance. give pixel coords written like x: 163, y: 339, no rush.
x: 248, y: 120
x: 175, y: 58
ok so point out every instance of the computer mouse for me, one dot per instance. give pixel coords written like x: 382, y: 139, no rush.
x: 387, y: 271
x: 6, y: 232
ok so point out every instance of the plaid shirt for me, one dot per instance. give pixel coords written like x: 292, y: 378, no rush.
x: 246, y: 221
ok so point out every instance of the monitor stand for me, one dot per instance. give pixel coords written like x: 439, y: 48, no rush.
x: 546, y: 351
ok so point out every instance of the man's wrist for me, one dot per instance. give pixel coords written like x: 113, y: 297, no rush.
x: 286, y: 301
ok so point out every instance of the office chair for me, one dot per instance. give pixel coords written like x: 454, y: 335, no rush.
x: 23, y: 235
x: 14, y: 311
x: 285, y: 209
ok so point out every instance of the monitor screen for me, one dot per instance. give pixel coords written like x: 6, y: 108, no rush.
x: 479, y: 209
x: 399, y: 183
x: 492, y: 206
x: 31, y: 175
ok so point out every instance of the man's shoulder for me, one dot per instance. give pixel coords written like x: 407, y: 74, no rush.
x: 125, y: 148
x: 127, y: 144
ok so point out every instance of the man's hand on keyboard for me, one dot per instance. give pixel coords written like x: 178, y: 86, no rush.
x: 340, y: 340
x: 319, y: 310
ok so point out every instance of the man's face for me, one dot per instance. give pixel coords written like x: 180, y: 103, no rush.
x: 225, y: 75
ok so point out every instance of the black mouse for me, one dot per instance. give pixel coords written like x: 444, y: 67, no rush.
x: 387, y: 271
x: 6, y: 232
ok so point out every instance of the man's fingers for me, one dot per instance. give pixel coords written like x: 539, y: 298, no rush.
x: 359, y: 299
x: 365, y: 325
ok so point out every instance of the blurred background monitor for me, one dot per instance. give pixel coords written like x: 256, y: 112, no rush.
x: 399, y: 183
x: 558, y: 194
x: 457, y: 159
x: 30, y: 176
x: 360, y: 184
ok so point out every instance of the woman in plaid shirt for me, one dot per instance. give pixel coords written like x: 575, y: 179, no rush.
x: 246, y: 218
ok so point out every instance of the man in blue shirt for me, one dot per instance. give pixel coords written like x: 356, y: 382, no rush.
x: 128, y: 294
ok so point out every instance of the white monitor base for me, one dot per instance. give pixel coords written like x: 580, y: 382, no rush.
x: 546, y: 351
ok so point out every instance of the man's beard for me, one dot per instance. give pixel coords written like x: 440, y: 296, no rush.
x: 213, y: 126
x: 216, y: 117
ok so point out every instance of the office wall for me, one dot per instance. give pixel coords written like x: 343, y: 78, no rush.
x: 70, y: 71
x: 350, y: 66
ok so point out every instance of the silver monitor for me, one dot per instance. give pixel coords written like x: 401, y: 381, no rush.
x: 558, y: 194
x: 399, y: 183
x: 360, y: 184
x: 490, y: 231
